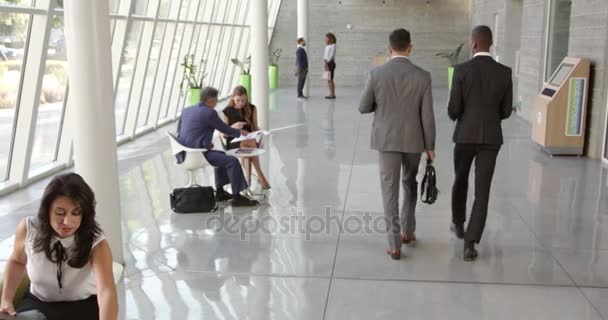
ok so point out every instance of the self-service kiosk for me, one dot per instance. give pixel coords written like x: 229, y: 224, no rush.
x: 559, y: 118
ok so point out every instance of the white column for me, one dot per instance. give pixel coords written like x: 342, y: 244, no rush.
x: 88, y: 45
x: 259, y: 59
x: 303, y: 31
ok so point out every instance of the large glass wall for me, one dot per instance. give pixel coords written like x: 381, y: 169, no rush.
x: 13, y: 38
x: 150, y: 39
x: 558, y: 34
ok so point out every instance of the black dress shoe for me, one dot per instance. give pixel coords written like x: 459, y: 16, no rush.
x: 458, y: 230
x: 469, y: 253
x: 222, y: 195
x: 241, y: 201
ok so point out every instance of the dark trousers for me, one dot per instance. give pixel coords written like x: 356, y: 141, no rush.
x: 68, y: 310
x: 301, y: 81
x: 227, y: 170
x: 485, y: 162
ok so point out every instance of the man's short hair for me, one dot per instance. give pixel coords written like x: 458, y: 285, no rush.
x: 482, y: 35
x: 208, y: 93
x: 300, y: 40
x: 400, y: 40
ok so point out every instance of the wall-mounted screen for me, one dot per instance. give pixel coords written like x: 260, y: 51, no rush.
x: 560, y: 74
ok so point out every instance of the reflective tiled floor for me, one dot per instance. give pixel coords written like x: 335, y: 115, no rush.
x: 315, y: 249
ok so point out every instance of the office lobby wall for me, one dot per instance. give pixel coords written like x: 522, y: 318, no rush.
x: 588, y: 37
x: 439, y: 26
x: 529, y: 36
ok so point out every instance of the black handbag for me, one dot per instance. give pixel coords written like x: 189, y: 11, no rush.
x: 193, y: 199
x: 428, y: 189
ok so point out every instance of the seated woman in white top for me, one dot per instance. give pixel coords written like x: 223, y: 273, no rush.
x: 66, y: 256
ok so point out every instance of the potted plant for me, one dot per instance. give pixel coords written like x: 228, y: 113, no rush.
x: 193, y: 77
x: 273, y: 68
x: 245, y: 77
x: 452, y: 58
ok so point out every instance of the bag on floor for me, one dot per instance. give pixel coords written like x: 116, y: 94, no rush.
x: 193, y: 200
x: 428, y: 188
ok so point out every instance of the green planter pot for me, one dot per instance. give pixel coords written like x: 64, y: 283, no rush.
x: 194, y: 96
x: 245, y: 81
x: 273, y: 76
x: 450, y: 77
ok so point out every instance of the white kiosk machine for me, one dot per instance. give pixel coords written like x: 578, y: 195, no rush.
x: 558, y: 121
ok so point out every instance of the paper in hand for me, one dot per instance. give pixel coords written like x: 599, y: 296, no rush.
x: 257, y: 135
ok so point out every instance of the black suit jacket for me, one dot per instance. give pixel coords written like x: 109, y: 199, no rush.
x: 481, y: 97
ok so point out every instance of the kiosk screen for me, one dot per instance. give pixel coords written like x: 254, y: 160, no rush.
x: 560, y: 74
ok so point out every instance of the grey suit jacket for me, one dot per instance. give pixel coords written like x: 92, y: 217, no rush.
x: 399, y: 94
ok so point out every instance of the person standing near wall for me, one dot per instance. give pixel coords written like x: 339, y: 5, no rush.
x: 301, y: 67
x: 481, y: 97
x: 329, y: 59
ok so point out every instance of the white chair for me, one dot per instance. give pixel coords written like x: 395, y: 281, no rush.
x: 193, y: 161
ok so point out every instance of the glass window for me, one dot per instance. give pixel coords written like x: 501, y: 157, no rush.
x: 186, y: 43
x: 17, y: 2
x: 139, y: 74
x: 146, y: 97
x: 126, y: 74
x: 558, y: 34
x: 13, y: 33
x: 184, y: 12
x: 244, y: 13
x: 165, y: 7
x: 174, y: 73
x: 233, y: 10
x: 206, y: 11
x: 223, y: 59
x: 140, y: 7
x: 114, y: 6
x: 52, y: 99
x: 220, y: 10
x: 235, y: 35
x: 244, y: 16
x: 213, y: 46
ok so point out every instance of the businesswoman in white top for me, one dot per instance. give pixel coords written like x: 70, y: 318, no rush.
x: 65, y: 255
x: 329, y: 58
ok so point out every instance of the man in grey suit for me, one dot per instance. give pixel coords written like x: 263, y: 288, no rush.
x: 399, y: 94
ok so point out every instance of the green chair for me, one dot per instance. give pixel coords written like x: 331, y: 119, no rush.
x: 117, y: 269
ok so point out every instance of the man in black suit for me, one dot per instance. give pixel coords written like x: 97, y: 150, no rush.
x: 481, y: 97
x: 301, y: 67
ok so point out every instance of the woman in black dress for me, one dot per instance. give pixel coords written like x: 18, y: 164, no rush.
x: 243, y: 115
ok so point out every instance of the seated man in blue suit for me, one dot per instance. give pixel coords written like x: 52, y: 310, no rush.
x: 195, y: 130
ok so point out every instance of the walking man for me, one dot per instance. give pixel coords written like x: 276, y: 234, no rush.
x: 481, y: 97
x: 399, y: 94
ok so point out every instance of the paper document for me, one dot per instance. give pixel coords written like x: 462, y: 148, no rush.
x: 257, y: 135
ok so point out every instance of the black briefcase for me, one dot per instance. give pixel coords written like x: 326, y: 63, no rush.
x: 428, y: 189
x: 193, y: 199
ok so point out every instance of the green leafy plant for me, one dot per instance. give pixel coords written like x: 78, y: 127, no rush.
x: 192, y: 75
x: 451, y: 56
x: 244, y: 65
x: 274, y: 56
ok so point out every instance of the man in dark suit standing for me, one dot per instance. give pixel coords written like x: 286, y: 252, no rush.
x: 481, y: 97
x: 301, y: 67
x: 195, y: 129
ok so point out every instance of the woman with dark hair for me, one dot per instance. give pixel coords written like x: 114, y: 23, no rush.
x: 329, y: 58
x: 240, y: 114
x: 66, y: 256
